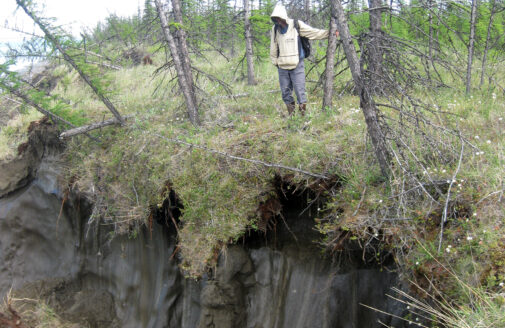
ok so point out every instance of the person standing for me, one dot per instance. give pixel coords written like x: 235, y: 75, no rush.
x: 286, y: 52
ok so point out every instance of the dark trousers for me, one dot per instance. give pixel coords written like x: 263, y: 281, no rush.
x: 293, y: 79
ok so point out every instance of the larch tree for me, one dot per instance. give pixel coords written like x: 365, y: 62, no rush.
x: 185, y: 84
x: 471, y: 45
x: 367, y: 103
x: 180, y: 34
x: 23, y: 4
x: 306, y: 7
x: 330, y: 60
x: 493, y: 11
x: 374, y: 45
x: 248, y: 44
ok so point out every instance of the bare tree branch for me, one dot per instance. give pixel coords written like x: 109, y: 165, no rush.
x: 239, y: 158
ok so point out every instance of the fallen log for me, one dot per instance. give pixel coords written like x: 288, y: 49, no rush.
x: 90, y: 127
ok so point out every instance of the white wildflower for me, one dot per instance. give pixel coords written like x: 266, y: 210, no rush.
x: 501, y: 284
x: 469, y: 238
x: 477, y: 137
x: 488, y: 141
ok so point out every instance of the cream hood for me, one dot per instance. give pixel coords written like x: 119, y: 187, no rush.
x: 280, y: 11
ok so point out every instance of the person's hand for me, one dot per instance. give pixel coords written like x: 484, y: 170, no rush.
x: 336, y: 33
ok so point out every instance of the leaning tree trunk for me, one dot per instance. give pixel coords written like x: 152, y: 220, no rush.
x: 471, y: 46
x: 183, y: 48
x: 330, y: 61
x: 182, y: 78
x: 366, y: 101
x: 486, y: 48
x: 68, y: 59
x: 249, y: 44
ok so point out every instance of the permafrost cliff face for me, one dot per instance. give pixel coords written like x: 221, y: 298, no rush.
x: 50, y: 251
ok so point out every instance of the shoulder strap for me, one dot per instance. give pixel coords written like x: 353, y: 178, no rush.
x: 275, y: 40
x: 297, y: 26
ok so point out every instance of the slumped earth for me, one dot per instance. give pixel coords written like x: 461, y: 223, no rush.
x: 51, y: 250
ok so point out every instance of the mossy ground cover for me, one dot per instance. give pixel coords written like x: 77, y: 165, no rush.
x: 126, y: 174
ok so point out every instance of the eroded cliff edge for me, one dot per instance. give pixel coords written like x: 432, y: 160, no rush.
x: 51, y: 250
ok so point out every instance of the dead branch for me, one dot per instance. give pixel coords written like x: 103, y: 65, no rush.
x: 239, y: 158
x: 105, y: 65
x: 13, y: 100
x: 241, y: 95
x: 444, y: 215
x: 90, y: 127
x: 212, y: 78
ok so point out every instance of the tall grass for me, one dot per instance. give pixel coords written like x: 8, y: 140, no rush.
x: 480, y: 308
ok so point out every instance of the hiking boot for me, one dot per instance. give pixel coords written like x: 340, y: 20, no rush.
x: 303, y: 107
x: 291, y: 108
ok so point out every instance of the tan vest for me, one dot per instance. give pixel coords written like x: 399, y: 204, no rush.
x: 284, y: 47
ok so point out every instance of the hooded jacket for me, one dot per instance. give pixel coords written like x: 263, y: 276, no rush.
x: 284, y: 47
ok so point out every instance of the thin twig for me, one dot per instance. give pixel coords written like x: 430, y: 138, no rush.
x: 241, y: 95
x: 13, y: 100
x: 489, y: 195
x: 444, y: 215
x: 280, y: 166
x: 360, y: 201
